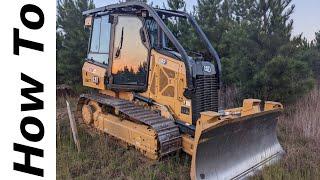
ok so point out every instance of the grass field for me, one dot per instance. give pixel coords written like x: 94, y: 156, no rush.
x: 102, y: 157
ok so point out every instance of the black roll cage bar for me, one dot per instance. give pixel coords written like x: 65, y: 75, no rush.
x: 155, y: 14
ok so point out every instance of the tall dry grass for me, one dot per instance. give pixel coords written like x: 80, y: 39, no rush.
x: 306, y: 115
x: 299, y: 134
x: 229, y: 97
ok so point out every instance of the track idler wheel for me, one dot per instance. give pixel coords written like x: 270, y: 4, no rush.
x: 87, y: 114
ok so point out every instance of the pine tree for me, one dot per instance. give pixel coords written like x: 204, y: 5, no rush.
x: 145, y: 1
x: 252, y: 36
x: 72, y: 39
x: 310, y: 53
x: 317, y: 40
x: 176, y: 4
x: 208, y: 17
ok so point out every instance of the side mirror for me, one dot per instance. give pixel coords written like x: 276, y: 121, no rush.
x: 88, y: 22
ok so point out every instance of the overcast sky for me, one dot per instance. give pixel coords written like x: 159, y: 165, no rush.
x: 306, y: 15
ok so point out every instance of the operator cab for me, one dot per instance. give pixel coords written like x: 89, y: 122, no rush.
x: 122, y: 38
x: 116, y: 44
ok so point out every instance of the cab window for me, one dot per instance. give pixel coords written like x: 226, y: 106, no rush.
x: 130, y: 65
x: 100, y: 40
x: 152, y: 28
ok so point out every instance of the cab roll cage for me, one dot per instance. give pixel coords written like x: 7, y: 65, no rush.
x: 136, y: 5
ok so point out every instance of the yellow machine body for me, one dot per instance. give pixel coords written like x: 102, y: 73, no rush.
x: 93, y: 76
x: 229, y: 144
x: 166, y: 84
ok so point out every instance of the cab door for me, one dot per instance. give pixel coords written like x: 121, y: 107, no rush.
x: 130, y: 52
x: 95, y: 68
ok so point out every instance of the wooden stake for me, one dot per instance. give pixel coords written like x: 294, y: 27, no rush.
x: 73, y: 127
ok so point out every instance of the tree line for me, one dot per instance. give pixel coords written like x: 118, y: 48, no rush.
x: 260, y: 55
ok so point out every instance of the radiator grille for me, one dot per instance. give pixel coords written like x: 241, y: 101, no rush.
x: 206, y: 95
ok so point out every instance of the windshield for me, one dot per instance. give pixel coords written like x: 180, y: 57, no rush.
x: 186, y: 35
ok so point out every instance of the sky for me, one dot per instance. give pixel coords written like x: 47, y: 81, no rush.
x: 306, y: 16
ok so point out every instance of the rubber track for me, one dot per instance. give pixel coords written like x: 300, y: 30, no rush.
x: 169, y: 137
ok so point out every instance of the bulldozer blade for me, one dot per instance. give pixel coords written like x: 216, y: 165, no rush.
x: 236, y: 149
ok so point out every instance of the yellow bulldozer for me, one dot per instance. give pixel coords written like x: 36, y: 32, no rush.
x: 160, y: 96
